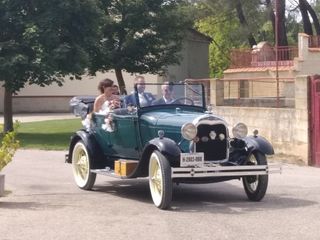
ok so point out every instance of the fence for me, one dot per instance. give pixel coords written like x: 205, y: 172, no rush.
x: 241, y: 58
x: 258, y: 92
x: 314, y: 41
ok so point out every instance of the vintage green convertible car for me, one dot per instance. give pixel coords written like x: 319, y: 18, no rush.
x: 180, y: 141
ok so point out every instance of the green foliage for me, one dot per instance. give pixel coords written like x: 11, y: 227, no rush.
x: 223, y: 41
x: 142, y: 35
x: 9, y: 145
x: 219, y: 20
x: 43, y: 40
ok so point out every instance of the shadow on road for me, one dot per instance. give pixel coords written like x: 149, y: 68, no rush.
x: 222, y: 198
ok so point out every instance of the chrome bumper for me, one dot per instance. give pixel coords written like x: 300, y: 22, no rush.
x: 224, y: 171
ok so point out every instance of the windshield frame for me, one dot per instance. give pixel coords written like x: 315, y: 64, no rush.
x: 187, y: 86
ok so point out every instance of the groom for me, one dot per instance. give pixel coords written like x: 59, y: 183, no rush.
x: 145, y: 98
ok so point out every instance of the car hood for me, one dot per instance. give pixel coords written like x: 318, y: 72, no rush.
x: 170, y: 122
x: 174, y: 119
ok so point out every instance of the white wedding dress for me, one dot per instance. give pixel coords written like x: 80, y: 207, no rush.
x: 105, y: 108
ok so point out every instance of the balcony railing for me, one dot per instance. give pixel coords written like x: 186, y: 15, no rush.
x: 314, y: 41
x: 245, y: 58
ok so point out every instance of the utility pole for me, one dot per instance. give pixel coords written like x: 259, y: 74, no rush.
x: 276, y: 46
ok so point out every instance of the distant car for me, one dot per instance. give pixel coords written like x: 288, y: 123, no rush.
x: 180, y: 142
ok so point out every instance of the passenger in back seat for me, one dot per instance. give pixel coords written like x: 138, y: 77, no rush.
x: 107, y: 101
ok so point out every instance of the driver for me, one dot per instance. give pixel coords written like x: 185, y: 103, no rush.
x: 167, y: 94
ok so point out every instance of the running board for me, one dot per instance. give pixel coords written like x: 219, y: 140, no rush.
x: 225, y: 171
x: 107, y: 172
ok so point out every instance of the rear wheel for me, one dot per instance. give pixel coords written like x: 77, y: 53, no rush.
x: 160, y: 181
x: 81, y: 165
x: 255, y: 186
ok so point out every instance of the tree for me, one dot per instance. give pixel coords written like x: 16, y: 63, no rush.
x: 241, y: 23
x: 226, y: 23
x: 142, y: 36
x: 244, y: 23
x: 306, y: 9
x: 224, y: 38
x: 42, y: 41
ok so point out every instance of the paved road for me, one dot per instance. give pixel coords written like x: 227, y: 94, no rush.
x: 42, y: 202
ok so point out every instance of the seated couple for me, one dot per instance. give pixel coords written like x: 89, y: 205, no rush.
x: 108, y: 100
x: 146, y: 98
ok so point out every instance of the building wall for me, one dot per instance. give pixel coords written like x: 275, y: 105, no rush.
x: 309, y: 58
x: 257, y: 88
x: 195, y: 61
x: 285, y: 128
x: 306, y: 63
x: 53, y: 98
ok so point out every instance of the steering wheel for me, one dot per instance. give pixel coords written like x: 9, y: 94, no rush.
x: 185, y: 99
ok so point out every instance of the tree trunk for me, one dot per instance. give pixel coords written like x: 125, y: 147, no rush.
x: 314, y: 17
x: 280, y: 8
x: 282, y: 30
x: 244, y: 23
x: 7, y: 111
x: 121, y: 83
x: 307, y: 27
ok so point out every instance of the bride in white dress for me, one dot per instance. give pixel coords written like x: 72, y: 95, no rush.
x: 105, y: 102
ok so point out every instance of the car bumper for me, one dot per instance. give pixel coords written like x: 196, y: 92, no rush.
x: 224, y: 171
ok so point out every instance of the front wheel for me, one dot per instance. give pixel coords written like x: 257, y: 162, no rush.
x: 81, y: 166
x: 255, y: 186
x: 160, y: 181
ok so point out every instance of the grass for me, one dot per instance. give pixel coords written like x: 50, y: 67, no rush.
x: 47, y: 135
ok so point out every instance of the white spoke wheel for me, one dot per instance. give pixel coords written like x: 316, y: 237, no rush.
x: 256, y: 186
x: 81, y: 167
x: 160, y: 181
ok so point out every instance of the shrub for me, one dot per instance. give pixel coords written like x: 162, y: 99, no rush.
x: 9, y: 145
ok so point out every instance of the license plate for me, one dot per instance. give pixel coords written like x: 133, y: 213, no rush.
x: 191, y: 159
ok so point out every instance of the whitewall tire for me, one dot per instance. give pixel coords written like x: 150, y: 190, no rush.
x: 81, y: 166
x: 160, y: 181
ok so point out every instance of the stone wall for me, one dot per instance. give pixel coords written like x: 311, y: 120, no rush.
x: 285, y: 128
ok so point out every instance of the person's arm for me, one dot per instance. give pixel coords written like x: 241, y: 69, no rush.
x: 97, y: 104
x: 128, y: 100
x: 115, y: 102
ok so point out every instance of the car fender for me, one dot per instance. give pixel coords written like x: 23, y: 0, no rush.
x: 259, y: 143
x: 166, y: 146
x: 93, y: 148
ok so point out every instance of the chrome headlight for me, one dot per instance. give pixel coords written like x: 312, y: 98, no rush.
x: 240, y: 130
x: 189, y: 131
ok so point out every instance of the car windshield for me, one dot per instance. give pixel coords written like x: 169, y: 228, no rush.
x: 169, y: 93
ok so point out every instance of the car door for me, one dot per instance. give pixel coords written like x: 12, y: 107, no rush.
x: 125, y: 137
x: 122, y: 141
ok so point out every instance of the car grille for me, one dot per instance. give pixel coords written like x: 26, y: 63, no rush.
x: 212, y: 141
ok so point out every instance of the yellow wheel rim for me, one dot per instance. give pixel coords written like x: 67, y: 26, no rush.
x: 155, y: 179
x: 80, y: 163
